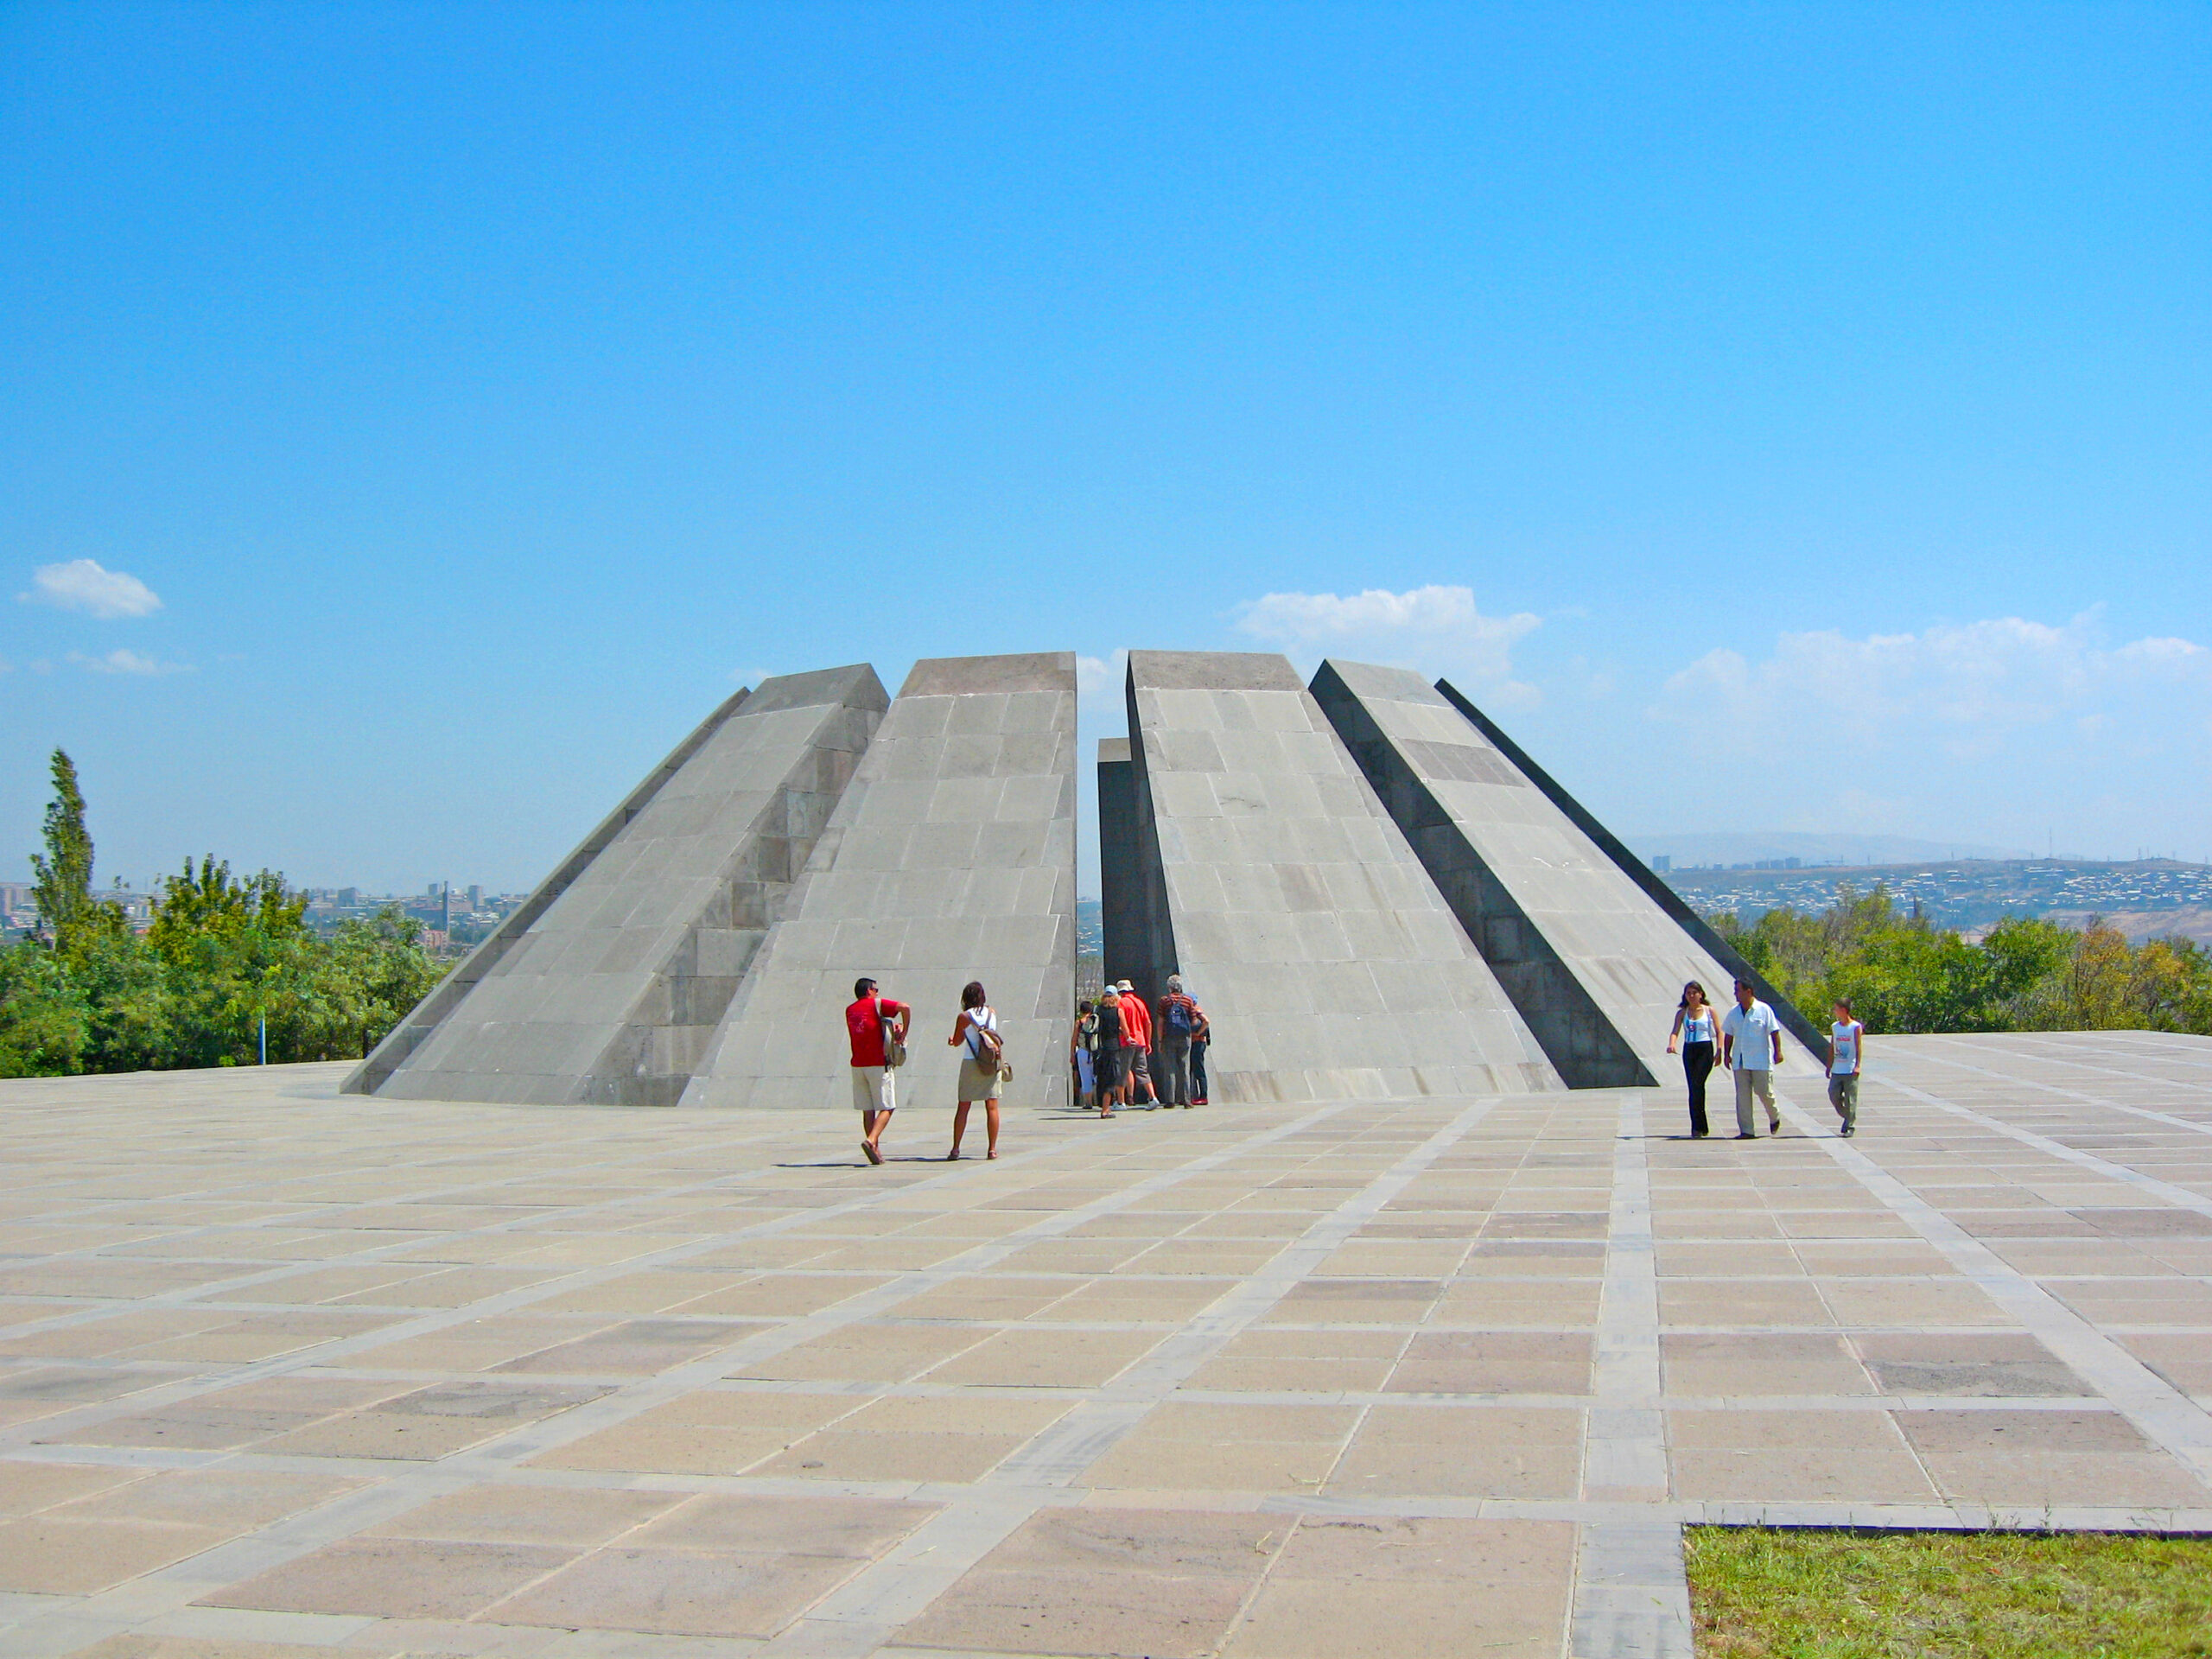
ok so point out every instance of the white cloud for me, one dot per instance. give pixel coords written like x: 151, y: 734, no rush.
x: 1101, y: 677
x: 1432, y: 627
x: 1102, y: 710
x: 82, y: 585
x: 1970, y: 683
x: 122, y: 661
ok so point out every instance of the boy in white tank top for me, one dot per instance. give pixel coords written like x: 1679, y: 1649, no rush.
x: 1846, y: 1052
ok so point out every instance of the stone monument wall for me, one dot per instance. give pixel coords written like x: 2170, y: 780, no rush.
x: 952, y: 857
x: 1327, y: 961
x: 607, y: 984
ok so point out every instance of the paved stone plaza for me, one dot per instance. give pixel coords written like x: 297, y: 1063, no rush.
x: 287, y: 1373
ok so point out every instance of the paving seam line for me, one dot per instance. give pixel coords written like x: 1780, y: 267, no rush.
x: 861, y: 1615
x: 2180, y: 1197
x: 1975, y: 1514
x: 2051, y: 1044
x: 213, y: 1289
x: 1631, y: 1594
x: 168, y: 1589
x: 431, y: 1323
x: 2164, y: 1415
x: 2184, y: 1045
x: 315, y: 1213
x: 1880, y: 1074
x: 94, y: 1207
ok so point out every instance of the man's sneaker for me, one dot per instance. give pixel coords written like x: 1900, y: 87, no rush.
x: 1850, y: 1129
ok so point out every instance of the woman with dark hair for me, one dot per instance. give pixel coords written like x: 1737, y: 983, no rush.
x: 1698, y: 1032
x: 1106, y: 1057
x: 981, y: 1066
x: 1082, y: 1040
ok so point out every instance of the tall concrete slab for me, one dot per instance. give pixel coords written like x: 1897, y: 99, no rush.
x: 608, y: 985
x: 1663, y: 897
x: 951, y: 858
x: 1405, y: 769
x: 1592, y: 963
x: 1294, y: 907
x: 1122, y: 917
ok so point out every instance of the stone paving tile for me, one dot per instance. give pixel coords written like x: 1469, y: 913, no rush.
x: 280, y: 1373
x: 1406, y: 1588
x: 1131, y: 1582
x: 395, y: 1578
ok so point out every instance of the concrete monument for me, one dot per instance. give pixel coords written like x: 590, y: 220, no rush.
x: 607, y: 983
x: 952, y: 857
x: 1275, y: 880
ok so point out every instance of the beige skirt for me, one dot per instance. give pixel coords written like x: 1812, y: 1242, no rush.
x: 976, y: 1084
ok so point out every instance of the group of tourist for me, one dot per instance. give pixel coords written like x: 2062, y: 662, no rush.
x: 1747, y: 1043
x: 1115, y: 1038
x: 1112, y: 1045
x: 1118, y: 1044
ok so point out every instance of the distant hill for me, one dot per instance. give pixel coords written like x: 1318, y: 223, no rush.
x: 2142, y: 899
x: 1753, y: 846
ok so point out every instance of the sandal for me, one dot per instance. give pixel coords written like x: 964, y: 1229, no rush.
x: 873, y: 1156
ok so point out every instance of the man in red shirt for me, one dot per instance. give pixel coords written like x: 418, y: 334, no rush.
x: 1136, y: 1045
x: 875, y: 1093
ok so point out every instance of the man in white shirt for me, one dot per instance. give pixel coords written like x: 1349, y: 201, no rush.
x: 1751, y: 1047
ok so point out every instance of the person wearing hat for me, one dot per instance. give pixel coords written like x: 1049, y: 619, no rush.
x: 1136, y: 1048
x: 1179, y: 1022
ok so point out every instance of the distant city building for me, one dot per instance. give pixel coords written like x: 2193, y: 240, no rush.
x: 476, y: 896
x: 348, y: 897
x: 1662, y: 862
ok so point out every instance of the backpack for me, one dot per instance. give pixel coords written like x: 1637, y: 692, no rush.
x: 1179, y: 1015
x: 895, y: 1051
x: 1088, y: 1033
x: 984, y: 1043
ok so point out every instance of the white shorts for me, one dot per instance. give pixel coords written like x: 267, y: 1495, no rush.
x: 874, y: 1089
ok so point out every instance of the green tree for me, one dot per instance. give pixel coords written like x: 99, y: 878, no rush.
x: 1902, y: 973
x: 63, y: 888
x: 378, y: 973
x: 223, y: 954
x: 45, y: 1018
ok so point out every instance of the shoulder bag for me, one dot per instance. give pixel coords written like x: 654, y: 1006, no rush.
x: 895, y: 1051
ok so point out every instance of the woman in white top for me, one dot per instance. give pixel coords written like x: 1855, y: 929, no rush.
x: 1697, y: 1030
x: 977, y: 1031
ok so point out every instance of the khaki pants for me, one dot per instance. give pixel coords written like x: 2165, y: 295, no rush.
x: 1747, y: 1081
x: 876, y: 1089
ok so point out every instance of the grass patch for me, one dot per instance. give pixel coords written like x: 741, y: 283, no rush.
x: 1759, y: 1592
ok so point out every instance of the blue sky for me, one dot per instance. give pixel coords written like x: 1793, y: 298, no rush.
x: 413, y: 419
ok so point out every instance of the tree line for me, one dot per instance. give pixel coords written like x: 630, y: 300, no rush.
x: 1902, y: 973
x: 226, y: 959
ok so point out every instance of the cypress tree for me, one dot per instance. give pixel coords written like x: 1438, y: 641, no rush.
x: 64, y: 888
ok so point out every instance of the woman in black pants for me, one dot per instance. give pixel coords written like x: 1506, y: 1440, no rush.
x: 1699, y: 1033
